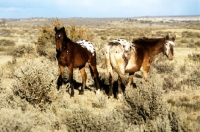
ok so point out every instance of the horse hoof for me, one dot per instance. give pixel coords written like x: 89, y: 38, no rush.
x: 81, y: 92
x: 120, y: 97
x: 98, y: 91
x: 134, y: 85
x: 110, y: 97
x: 72, y: 94
x: 58, y: 88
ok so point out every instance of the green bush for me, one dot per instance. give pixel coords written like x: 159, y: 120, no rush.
x: 34, y: 81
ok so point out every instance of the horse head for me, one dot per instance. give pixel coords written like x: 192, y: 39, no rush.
x: 60, y: 38
x: 168, y: 48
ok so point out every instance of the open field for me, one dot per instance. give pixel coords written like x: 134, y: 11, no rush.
x: 30, y: 101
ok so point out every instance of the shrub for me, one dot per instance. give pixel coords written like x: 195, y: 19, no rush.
x: 188, y: 34
x: 194, y: 57
x: 46, y: 40
x: 193, y: 79
x: 162, y: 65
x: 21, y: 50
x: 35, y: 80
x: 14, y: 120
x: 5, y: 32
x: 147, y: 106
x: 103, y: 37
x: 100, y: 103
x: 147, y: 100
x: 197, y: 43
x: 5, y: 42
x: 183, y: 40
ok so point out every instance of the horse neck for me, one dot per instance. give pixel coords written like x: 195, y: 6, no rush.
x: 156, y: 48
x: 65, y: 43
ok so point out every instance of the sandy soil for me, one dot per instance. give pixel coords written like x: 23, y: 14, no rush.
x: 4, y: 59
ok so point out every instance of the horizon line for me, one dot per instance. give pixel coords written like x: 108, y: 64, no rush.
x: 153, y: 16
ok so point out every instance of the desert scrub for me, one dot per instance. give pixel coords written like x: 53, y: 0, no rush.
x: 146, y: 99
x: 193, y: 79
x: 195, y: 57
x: 188, y: 34
x: 197, y: 43
x: 46, y: 41
x: 80, y: 118
x: 162, y: 64
x: 22, y: 50
x: 6, y: 45
x: 147, y: 106
x: 34, y: 81
x: 5, y: 42
x: 101, y: 102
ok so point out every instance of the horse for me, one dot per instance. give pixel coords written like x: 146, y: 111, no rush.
x: 135, y: 56
x: 75, y: 55
x: 117, y: 54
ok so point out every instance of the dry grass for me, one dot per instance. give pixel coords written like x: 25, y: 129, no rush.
x: 169, y: 101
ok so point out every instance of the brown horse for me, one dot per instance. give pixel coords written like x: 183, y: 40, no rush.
x: 75, y: 55
x: 139, y: 57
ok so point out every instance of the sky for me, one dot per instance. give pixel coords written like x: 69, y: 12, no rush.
x: 97, y: 8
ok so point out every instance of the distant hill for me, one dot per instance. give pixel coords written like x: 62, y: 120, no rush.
x: 96, y: 21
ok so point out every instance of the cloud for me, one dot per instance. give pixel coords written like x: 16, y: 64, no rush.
x: 97, y: 8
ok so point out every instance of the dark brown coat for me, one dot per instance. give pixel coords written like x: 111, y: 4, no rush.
x: 74, y: 55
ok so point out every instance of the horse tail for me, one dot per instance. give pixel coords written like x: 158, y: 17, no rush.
x: 123, y: 79
x: 92, y: 74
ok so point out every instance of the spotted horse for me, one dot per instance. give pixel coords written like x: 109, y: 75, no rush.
x: 125, y: 57
x: 75, y: 55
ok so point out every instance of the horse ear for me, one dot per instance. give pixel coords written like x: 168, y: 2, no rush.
x: 63, y: 29
x: 174, y: 38
x: 55, y: 29
x: 167, y: 37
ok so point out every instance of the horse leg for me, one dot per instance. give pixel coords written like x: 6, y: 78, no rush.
x: 145, y: 72
x: 84, y: 77
x: 111, y: 81
x: 95, y: 73
x: 110, y: 72
x: 71, y: 80
x: 119, y: 90
x: 61, y: 76
x: 130, y: 80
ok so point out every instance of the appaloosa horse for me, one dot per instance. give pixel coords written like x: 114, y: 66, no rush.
x: 136, y: 56
x: 75, y: 55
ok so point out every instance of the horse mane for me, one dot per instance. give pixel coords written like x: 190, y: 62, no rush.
x: 146, y: 42
x: 62, y: 30
x: 114, y: 43
x: 66, y: 38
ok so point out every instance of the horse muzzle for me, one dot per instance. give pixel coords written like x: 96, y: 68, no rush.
x: 58, y: 49
x: 170, y: 56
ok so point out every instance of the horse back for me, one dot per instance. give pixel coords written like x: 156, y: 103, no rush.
x: 115, y: 57
x: 74, y: 54
x: 136, y: 60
